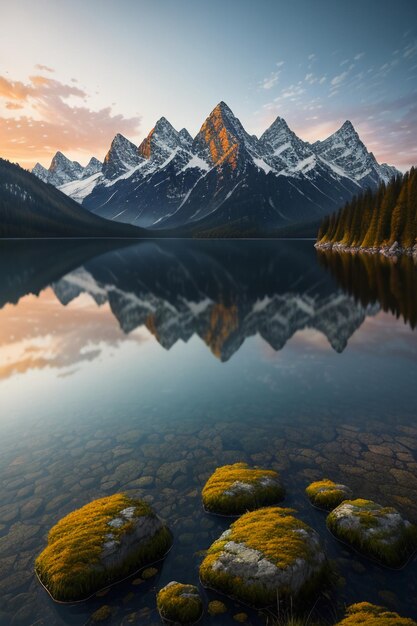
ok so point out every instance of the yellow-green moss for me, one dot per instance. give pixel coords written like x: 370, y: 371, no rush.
x: 218, y: 496
x: 102, y: 614
x: 327, y: 494
x: 215, y: 607
x: 375, y: 545
x: 242, y: 618
x: 275, y: 533
x: 365, y: 614
x: 70, y: 566
x: 179, y: 603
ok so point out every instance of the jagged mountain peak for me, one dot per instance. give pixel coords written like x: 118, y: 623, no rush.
x: 92, y: 167
x: 58, y: 159
x: 162, y: 140
x: 278, y: 133
x: 41, y: 172
x: 121, y: 157
x: 62, y: 170
x: 185, y: 139
x: 164, y: 125
x: 222, y: 137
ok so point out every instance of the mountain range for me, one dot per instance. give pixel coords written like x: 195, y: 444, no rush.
x: 223, y: 180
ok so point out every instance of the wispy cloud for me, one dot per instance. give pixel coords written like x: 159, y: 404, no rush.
x: 337, y: 80
x: 270, y: 81
x: 45, y: 115
x: 359, y: 56
x: 44, y: 68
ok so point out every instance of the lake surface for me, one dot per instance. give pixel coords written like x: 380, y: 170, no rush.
x: 141, y: 368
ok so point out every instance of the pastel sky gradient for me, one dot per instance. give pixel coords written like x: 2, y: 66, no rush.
x: 73, y: 74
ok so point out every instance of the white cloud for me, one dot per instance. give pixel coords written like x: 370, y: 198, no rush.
x: 358, y: 56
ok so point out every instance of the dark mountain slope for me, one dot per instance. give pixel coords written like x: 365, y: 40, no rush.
x: 32, y: 208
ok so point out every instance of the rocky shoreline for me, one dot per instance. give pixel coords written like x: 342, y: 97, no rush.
x: 393, y: 251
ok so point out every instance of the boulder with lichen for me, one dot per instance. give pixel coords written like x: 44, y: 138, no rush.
x: 99, y: 544
x: 179, y: 603
x: 379, y: 532
x: 326, y: 494
x: 265, y: 554
x: 235, y: 489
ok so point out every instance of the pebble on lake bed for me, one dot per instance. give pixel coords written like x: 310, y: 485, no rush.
x: 235, y: 489
x: 375, y: 531
x: 104, y: 541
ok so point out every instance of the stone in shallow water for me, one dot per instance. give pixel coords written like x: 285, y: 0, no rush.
x: 265, y: 554
x: 327, y: 494
x: 87, y: 550
x: 365, y: 614
x: 235, y: 489
x: 375, y: 531
x: 179, y: 603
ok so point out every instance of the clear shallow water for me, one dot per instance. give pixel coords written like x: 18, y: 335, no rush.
x: 142, y: 368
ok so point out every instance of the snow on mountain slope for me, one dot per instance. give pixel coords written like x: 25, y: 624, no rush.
x: 345, y: 150
x: 80, y: 189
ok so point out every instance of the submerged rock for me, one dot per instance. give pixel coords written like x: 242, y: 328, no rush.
x: 327, y: 494
x: 179, y: 604
x: 263, y: 554
x: 376, y: 531
x: 100, y: 543
x: 235, y: 489
x: 365, y: 614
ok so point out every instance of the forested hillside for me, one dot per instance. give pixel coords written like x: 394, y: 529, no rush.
x: 32, y: 208
x: 376, y: 220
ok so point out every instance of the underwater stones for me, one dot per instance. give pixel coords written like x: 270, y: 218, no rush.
x: 179, y: 604
x: 235, y: 489
x: 98, y: 544
x: 375, y: 531
x: 326, y: 494
x: 264, y: 553
x: 366, y: 614
x: 216, y: 607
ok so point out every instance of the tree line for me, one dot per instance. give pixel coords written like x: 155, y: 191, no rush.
x: 376, y: 218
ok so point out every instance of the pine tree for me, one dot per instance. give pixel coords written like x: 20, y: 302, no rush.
x: 399, y: 214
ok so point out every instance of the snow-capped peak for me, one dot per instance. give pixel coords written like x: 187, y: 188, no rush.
x: 121, y: 157
x: 62, y: 170
x: 222, y: 138
x: 161, y: 142
x: 92, y: 167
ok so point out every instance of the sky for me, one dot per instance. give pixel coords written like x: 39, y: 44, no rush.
x: 73, y: 74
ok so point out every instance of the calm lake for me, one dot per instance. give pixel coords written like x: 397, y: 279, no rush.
x: 142, y: 367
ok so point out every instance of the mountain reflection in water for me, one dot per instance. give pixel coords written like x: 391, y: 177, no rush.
x: 222, y: 291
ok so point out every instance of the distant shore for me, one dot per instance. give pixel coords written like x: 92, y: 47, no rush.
x: 393, y: 251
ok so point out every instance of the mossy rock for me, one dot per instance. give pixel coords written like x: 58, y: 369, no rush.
x: 365, y: 614
x: 264, y: 554
x: 376, y: 531
x: 235, y: 489
x: 216, y: 607
x: 179, y: 604
x: 326, y: 494
x: 99, y: 544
